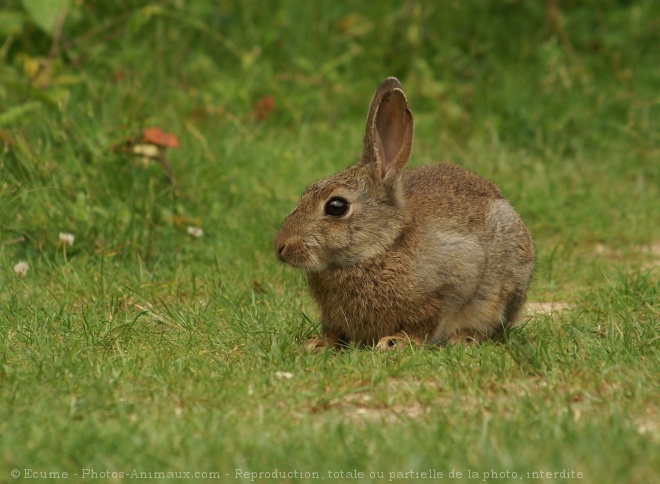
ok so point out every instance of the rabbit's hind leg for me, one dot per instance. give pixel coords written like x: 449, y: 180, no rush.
x: 467, y: 336
x: 398, y: 341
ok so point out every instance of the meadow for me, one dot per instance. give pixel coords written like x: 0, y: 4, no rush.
x: 147, y: 329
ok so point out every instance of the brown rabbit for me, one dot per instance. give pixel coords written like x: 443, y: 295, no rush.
x: 431, y: 254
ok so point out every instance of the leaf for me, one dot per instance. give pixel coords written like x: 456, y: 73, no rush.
x: 45, y: 13
x: 51, y: 97
x: 157, y: 137
x: 11, y: 22
x: 15, y: 113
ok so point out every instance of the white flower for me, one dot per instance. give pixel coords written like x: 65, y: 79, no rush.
x: 21, y: 269
x: 66, y: 238
x: 146, y: 150
x: 283, y: 375
x: 195, y: 232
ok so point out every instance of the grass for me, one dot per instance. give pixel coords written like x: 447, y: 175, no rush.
x: 142, y: 349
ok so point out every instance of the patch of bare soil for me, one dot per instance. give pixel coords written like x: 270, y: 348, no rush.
x: 646, y: 255
x: 362, y: 406
x: 653, y: 252
x: 550, y: 307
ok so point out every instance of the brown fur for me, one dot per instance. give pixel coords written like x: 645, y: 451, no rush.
x: 430, y: 254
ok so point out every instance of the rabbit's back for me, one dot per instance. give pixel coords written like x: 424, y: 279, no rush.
x: 447, y: 194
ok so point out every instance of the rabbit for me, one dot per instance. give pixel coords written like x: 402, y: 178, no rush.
x: 429, y: 255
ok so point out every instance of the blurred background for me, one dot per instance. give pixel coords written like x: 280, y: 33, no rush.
x: 526, y: 67
x: 556, y: 101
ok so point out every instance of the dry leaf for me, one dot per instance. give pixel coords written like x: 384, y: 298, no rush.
x: 156, y: 136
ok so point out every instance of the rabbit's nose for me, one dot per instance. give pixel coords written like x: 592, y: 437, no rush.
x: 279, y: 249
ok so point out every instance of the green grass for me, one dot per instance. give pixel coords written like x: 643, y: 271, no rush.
x: 143, y: 348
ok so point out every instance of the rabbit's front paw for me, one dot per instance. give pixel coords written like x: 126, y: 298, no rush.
x: 317, y: 345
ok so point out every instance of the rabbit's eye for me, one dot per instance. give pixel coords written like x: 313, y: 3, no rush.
x: 336, y: 207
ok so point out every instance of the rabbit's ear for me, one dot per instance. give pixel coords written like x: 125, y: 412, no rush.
x: 389, y: 133
x: 386, y: 86
x: 394, y: 132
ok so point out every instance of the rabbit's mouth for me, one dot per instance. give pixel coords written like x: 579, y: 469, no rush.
x: 301, y: 255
